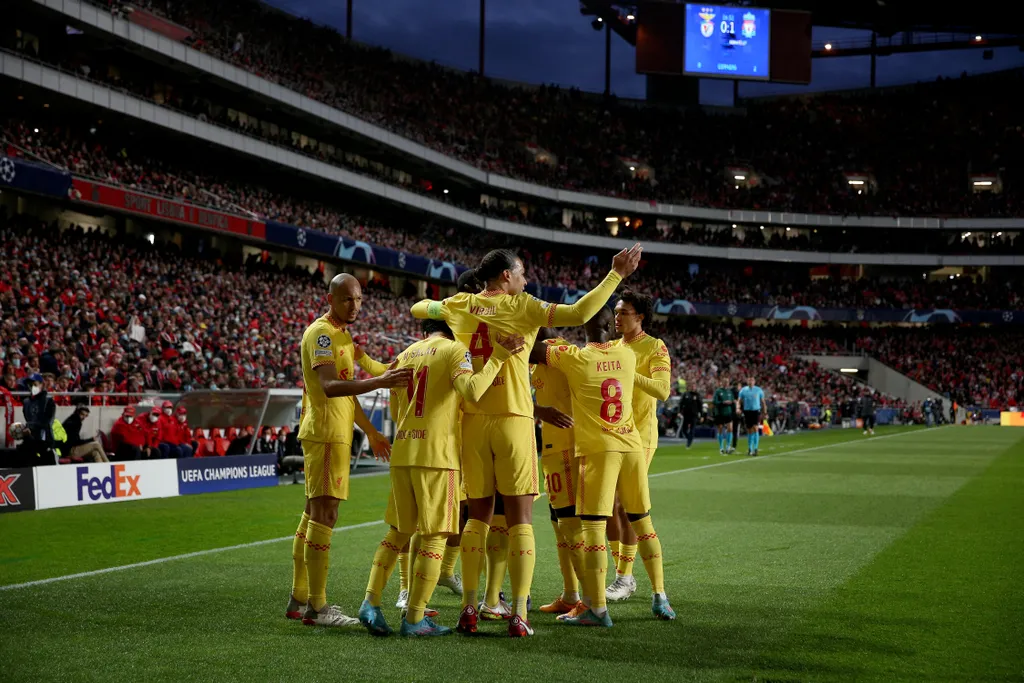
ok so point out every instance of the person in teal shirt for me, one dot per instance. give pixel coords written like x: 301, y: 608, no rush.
x: 724, y: 408
x: 752, y: 401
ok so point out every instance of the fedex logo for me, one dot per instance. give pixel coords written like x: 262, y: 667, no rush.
x: 117, y: 485
x: 7, y: 495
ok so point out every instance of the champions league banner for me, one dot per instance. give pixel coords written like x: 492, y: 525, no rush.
x: 31, y: 177
x: 347, y: 249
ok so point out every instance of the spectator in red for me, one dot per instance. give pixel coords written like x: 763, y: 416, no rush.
x: 168, y: 432
x: 152, y: 429
x: 183, y: 434
x: 128, y: 438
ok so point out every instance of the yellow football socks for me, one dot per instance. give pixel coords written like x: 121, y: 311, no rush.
x: 403, y: 569
x: 473, y: 551
x: 497, y: 558
x: 595, y: 564
x: 572, y: 530
x: 300, y: 582
x: 627, y: 553
x: 384, y: 561
x: 318, y: 560
x: 614, y: 547
x: 427, y: 569
x: 570, y: 587
x: 522, y: 557
x: 650, y: 553
x: 451, y: 556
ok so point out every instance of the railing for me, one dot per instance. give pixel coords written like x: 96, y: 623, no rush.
x: 897, y: 40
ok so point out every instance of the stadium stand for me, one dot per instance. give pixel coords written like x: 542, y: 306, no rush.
x: 800, y: 146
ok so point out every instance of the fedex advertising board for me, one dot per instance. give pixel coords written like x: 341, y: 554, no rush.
x: 86, y: 484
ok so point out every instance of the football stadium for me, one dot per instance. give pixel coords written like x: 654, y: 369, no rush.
x: 322, y: 357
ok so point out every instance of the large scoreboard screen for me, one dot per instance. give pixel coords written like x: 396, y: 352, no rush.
x: 727, y: 42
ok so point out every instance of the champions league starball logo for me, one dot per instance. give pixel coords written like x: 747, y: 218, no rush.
x: 300, y: 237
x: 358, y: 251
x: 939, y: 315
x: 7, y: 170
x: 674, y: 307
x: 443, y: 270
x: 797, y: 313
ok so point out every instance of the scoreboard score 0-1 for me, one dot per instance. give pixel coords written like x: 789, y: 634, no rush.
x: 727, y: 42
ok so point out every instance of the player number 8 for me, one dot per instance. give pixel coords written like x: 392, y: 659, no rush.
x: 611, y: 400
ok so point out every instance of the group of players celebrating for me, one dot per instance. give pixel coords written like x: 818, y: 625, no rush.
x: 465, y: 444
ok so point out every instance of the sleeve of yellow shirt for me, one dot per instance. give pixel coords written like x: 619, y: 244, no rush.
x: 574, y: 315
x: 658, y: 384
x: 470, y: 386
x: 374, y: 367
x: 428, y: 308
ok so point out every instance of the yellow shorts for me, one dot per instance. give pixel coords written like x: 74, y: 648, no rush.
x: 499, y: 454
x: 603, y: 475
x: 326, y: 466
x: 424, y: 500
x: 560, y: 477
x: 649, y: 455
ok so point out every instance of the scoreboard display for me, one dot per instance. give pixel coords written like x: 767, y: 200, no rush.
x: 727, y: 42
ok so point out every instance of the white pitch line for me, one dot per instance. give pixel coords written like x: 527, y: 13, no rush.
x: 240, y: 546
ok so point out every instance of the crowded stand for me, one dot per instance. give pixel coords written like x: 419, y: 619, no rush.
x: 799, y: 148
x: 90, y: 312
x: 662, y: 277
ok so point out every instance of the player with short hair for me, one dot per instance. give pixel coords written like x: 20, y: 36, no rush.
x: 724, y: 410
x: 499, y: 449
x: 653, y: 384
x: 601, y: 378
x: 425, y: 467
x: 751, y: 399
x: 329, y: 410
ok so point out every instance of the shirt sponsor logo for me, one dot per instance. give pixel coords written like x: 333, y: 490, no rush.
x: 321, y: 352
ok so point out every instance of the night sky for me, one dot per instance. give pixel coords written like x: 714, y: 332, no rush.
x: 548, y: 41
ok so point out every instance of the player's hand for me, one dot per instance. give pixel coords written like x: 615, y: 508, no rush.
x: 513, y: 343
x: 380, y: 446
x: 626, y: 261
x: 553, y: 416
x: 393, y: 379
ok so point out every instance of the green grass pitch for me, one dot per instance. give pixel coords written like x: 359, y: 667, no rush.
x: 837, y: 558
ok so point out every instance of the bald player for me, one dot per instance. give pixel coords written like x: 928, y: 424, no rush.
x: 329, y: 410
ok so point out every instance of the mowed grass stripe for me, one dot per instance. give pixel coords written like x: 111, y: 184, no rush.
x: 941, y: 603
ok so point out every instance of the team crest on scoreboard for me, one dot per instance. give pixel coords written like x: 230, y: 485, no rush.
x: 707, y: 27
x: 749, y: 27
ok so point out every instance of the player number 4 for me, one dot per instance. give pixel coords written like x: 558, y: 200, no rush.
x: 480, y: 343
x: 611, y: 392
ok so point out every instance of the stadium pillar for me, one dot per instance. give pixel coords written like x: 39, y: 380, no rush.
x: 348, y: 20
x: 874, y: 56
x: 607, y: 59
x: 483, y: 16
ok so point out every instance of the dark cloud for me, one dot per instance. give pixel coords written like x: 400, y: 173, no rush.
x: 548, y: 41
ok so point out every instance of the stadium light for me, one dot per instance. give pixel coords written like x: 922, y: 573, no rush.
x: 740, y: 177
x: 848, y: 370
x: 999, y: 234
x: 762, y: 227
x: 632, y: 168
x: 977, y: 39
x: 983, y: 183
x: 828, y: 46
x: 630, y: 17
x: 35, y: 130
x: 446, y: 191
x: 855, y: 182
x: 611, y: 219
x: 788, y: 229
x: 734, y: 226
x: 46, y: 105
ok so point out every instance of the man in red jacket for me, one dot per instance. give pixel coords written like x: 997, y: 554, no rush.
x: 152, y: 428
x: 167, y: 433
x: 182, y: 434
x: 129, y: 439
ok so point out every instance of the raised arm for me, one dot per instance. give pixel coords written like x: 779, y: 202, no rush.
x: 659, y: 384
x: 472, y: 386
x: 624, y: 263
x: 428, y: 308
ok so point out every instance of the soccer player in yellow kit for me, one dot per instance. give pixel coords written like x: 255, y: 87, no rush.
x: 653, y: 384
x: 558, y: 462
x: 425, y: 470
x: 499, y: 449
x: 329, y: 411
x: 601, y: 376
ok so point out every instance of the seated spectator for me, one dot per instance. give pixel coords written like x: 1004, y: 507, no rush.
x: 76, y: 447
x: 168, y: 432
x: 240, y: 444
x: 151, y: 427
x: 129, y: 440
x: 182, y: 434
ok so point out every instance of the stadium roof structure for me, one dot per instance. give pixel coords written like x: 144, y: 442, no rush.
x: 885, y: 17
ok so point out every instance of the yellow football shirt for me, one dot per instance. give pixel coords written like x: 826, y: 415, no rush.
x: 654, y: 365
x: 600, y: 378
x: 326, y: 420
x: 553, y: 390
x: 478, y: 319
x: 427, y: 413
